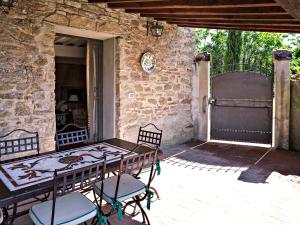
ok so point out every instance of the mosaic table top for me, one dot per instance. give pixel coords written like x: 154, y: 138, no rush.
x: 32, y: 171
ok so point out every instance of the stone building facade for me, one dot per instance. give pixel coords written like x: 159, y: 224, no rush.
x: 27, y: 69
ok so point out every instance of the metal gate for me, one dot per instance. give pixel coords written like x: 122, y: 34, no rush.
x: 241, y: 104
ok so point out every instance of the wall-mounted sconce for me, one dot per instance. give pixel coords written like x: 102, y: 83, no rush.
x: 156, y: 29
x: 7, y: 3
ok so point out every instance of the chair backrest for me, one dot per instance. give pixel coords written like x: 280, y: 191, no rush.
x: 29, y: 141
x: 71, y: 134
x: 135, y: 163
x: 150, y: 134
x: 76, y: 180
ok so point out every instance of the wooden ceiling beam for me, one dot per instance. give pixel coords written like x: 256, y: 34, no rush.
x: 121, y: 1
x: 245, y: 29
x: 222, y: 17
x: 193, y: 4
x: 211, y: 11
x: 230, y: 20
x: 256, y: 15
x: 242, y: 29
x: 233, y: 22
x: 275, y: 18
x: 291, y: 6
x: 282, y: 29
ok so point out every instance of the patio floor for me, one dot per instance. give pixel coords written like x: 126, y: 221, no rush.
x: 220, y: 184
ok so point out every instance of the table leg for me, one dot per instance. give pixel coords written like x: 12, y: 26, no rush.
x: 3, y: 216
x: 14, y: 214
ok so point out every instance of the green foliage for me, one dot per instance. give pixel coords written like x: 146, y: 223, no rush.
x: 258, y: 46
x: 254, y: 47
x: 234, y: 46
x: 212, y: 41
x: 294, y: 44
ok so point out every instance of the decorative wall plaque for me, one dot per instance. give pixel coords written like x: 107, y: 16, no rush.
x: 148, y: 62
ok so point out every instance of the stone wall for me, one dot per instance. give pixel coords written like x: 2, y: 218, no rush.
x: 27, y: 69
x: 295, y: 116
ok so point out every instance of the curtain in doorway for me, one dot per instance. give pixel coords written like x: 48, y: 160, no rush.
x: 94, y: 90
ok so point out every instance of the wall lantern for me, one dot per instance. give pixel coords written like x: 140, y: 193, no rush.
x: 7, y: 3
x: 156, y: 29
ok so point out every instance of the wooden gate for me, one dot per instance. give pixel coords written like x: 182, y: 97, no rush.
x: 241, y: 104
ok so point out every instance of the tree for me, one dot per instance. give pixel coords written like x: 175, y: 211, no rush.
x: 226, y: 47
x: 234, y: 47
x: 214, y: 42
x: 294, y: 43
x: 258, y: 47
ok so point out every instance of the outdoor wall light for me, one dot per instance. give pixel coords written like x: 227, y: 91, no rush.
x: 7, y: 3
x: 156, y: 29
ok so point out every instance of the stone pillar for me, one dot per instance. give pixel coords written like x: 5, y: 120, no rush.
x: 203, y: 64
x: 281, y: 126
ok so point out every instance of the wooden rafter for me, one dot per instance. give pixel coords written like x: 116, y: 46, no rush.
x: 192, y: 4
x: 212, y: 11
x: 270, y: 27
x: 233, y: 22
x: 120, y: 1
x: 238, y: 28
x: 285, y: 17
x: 256, y: 15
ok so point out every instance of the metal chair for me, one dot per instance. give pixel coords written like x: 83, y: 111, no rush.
x: 150, y: 136
x: 30, y: 142
x: 69, y: 205
x: 71, y: 134
x: 124, y: 186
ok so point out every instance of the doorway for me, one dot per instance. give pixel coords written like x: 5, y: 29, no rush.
x: 85, y: 84
x: 70, y: 85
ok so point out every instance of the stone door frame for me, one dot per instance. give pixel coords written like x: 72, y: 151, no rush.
x: 109, y: 58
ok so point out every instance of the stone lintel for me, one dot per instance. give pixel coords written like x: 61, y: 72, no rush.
x: 203, y: 56
x: 281, y: 55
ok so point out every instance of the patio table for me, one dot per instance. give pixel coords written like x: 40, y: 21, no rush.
x: 11, y: 193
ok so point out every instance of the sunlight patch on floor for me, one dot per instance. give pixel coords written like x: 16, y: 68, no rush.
x: 242, y: 143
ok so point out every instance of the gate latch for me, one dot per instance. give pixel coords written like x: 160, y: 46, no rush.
x: 212, y: 101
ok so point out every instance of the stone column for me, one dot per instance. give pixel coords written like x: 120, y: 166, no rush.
x: 281, y: 125
x: 203, y: 64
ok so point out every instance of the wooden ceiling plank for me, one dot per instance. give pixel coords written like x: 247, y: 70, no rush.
x: 274, y: 26
x: 212, y: 11
x: 233, y: 22
x: 194, y: 4
x: 221, y: 17
x: 256, y: 15
x: 242, y: 29
x: 122, y: 1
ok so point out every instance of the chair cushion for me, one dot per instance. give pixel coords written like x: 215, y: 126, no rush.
x: 73, y: 208
x: 128, y: 188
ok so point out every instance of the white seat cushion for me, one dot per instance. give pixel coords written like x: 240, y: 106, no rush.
x: 73, y: 208
x: 128, y: 188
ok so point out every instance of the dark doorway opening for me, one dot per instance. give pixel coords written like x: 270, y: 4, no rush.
x: 70, y: 85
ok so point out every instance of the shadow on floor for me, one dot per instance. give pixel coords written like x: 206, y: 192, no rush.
x: 229, y: 156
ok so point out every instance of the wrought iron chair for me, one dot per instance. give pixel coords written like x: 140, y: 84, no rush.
x: 28, y: 143
x: 69, y: 205
x: 71, y: 134
x: 123, y: 187
x: 150, y: 136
